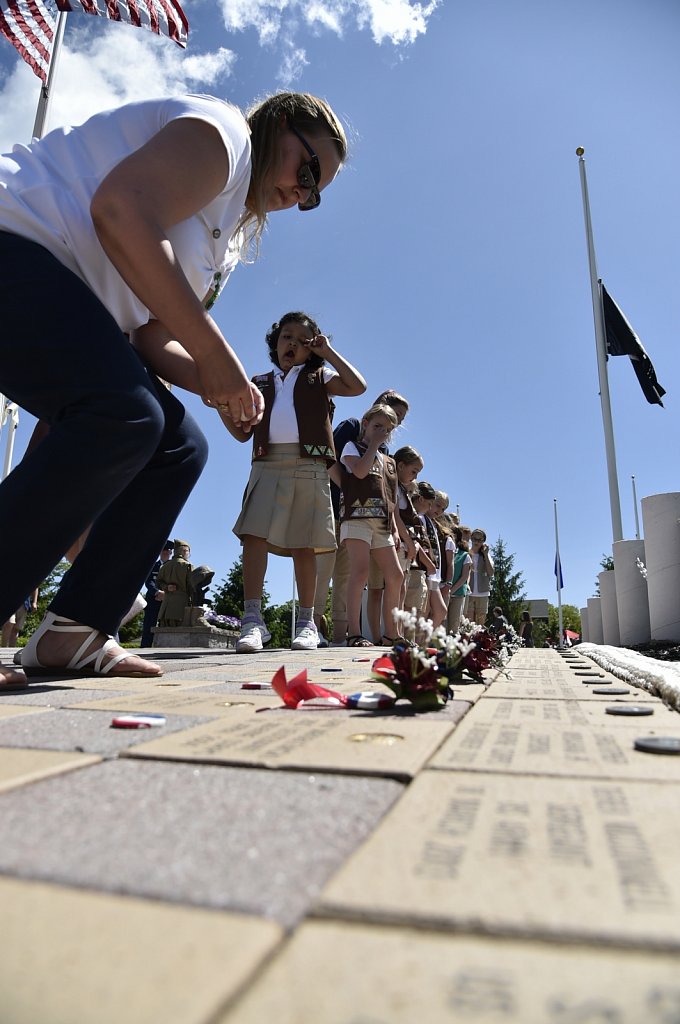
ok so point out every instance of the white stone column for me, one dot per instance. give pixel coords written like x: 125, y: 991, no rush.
x: 610, y: 612
x: 584, y: 625
x: 660, y: 514
x: 595, y: 634
x: 631, y: 592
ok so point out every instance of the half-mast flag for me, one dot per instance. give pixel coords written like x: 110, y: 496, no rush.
x: 29, y: 24
x: 623, y: 341
x: 558, y: 572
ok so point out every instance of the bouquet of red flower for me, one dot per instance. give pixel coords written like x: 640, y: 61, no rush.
x: 422, y: 667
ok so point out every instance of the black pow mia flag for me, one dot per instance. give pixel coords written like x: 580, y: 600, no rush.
x: 623, y: 341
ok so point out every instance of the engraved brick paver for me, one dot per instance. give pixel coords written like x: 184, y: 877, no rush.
x: 511, y: 858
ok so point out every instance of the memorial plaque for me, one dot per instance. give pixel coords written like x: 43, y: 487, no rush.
x: 103, y: 683
x: 362, y: 745
x: 187, y: 702
x: 18, y: 766
x: 563, y: 859
x: 10, y: 710
x: 398, y: 976
x: 177, y: 681
x: 74, y: 956
x: 562, y: 712
x: 564, y: 688
x: 544, y: 748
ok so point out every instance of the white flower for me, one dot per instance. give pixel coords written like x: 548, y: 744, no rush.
x: 642, y: 567
x: 426, y: 628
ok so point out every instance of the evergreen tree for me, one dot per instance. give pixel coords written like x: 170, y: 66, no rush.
x: 606, y: 563
x: 507, y: 587
x: 227, y: 598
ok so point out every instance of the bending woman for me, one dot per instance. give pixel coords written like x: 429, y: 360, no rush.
x: 115, y: 238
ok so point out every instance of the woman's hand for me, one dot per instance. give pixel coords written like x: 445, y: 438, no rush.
x: 232, y: 394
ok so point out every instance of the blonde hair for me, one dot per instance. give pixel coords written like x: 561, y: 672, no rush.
x: 380, y: 410
x: 266, y: 120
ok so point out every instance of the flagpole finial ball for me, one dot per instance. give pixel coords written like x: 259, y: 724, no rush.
x: 580, y: 151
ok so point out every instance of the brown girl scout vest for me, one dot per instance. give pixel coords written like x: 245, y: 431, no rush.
x: 367, y: 498
x: 312, y: 410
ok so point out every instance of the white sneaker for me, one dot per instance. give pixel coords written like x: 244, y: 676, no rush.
x: 306, y: 638
x: 254, y: 635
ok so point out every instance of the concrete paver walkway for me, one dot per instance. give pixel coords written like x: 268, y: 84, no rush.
x: 511, y: 858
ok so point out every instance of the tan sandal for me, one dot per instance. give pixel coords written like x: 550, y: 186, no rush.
x: 12, y: 680
x: 99, y: 662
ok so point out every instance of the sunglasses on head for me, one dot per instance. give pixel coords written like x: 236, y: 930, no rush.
x: 309, y: 175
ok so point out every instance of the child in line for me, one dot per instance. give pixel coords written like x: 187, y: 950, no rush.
x: 368, y: 500
x: 287, y: 506
x: 423, y: 506
x: 443, y: 526
x: 460, y: 574
x: 338, y: 565
x: 409, y: 464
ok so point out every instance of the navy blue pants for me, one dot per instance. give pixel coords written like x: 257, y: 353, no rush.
x: 122, y: 453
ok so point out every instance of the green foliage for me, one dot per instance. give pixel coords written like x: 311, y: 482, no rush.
x: 130, y: 634
x: 540, y: 633
x: 507, y: 587
x: 48, y: 589
x: 278, y: 618
x: 571, y: 619
x: 606, y: 563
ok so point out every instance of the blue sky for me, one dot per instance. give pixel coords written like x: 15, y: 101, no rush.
x: 448, y: 261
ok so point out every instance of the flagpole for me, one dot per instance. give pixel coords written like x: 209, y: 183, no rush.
x: 558, y: 573
x: 635, y: 506
x: 45, y: 100
x: 601, y: 349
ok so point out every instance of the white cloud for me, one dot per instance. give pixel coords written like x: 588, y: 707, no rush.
x: 395, y: 21
x: 292, y: 63
x: 118, y: 64
x: 399, y: 22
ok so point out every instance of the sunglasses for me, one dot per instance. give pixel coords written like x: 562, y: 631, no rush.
x: 309, y: 175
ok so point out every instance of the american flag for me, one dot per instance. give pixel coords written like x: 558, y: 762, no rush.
x: 29, y: 24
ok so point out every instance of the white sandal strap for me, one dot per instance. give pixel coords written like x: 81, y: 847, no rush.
x: 97, y: 656
x: 80, y: 660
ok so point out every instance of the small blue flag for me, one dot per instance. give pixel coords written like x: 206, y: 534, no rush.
x: 558, y: 572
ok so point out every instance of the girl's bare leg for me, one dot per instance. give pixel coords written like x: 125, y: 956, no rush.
x: 359, y: 554
x: 389, y: 563
x: 304, y: 560
x: 374, y: 609
x: 437, y: 608
x: 254, y: 567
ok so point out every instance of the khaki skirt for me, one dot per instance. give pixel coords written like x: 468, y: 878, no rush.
x: 288, y: 502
